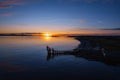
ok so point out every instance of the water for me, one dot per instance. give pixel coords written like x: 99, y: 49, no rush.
x: 25, y: 58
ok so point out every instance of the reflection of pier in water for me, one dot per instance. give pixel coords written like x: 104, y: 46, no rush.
x: 88, y: 51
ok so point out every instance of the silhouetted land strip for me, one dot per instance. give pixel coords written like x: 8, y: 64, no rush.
x: 20, y: 34
x: 109, y: 43
x: 93, y: 48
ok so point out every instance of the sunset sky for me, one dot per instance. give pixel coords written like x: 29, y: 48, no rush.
x: 60, y: 16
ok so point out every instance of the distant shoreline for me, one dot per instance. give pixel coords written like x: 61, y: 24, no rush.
x: 66, y: 35
x: 53, y: 35
x: 20, y: 34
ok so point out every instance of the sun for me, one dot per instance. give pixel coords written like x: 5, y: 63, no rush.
x: 47, y: 35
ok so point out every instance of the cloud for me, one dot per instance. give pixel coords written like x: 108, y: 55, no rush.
x: 5, y: 6
x: 92, y: 29
x: 10, y: 3
x: 90, y: 1
x: 95, y: 31
x: 6, y: 14
x: 112, y: 29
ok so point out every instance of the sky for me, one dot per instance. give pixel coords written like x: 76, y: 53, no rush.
x: 60, y: 16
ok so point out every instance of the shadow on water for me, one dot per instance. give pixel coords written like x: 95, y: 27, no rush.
x: 89, y: 51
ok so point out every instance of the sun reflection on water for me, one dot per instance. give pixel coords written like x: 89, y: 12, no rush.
x: 47, y: 38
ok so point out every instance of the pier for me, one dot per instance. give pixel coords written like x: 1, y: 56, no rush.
x: 87, y: 50
x: 84, y: 49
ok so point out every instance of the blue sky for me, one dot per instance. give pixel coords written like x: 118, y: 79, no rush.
x: 59, y: 15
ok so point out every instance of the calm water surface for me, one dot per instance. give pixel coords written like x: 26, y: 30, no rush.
x: 25, y: 58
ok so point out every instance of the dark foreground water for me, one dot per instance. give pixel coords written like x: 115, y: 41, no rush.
x: 25, y: 58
